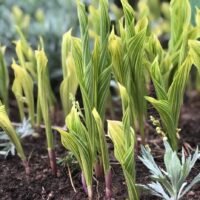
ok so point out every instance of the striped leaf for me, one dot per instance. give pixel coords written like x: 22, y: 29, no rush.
x: 124, y: 154
x: 43, y: 94
x: 77, y: 140
x: 4, y: 78
x: 6, y: 125
x: 69, y: 84
x: 23, y: 90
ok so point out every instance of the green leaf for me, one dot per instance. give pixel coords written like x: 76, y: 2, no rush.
x: 23, y: 90
x: 77, y: 140
x: 164, y: 109
x: 158, y: 80
x: 124, y: 154
x: 43, y: 94
x: 177, y: 88
x: 6, y: 125
x: 70, y: 83
x: 4, y: 79
x: 102, y: 141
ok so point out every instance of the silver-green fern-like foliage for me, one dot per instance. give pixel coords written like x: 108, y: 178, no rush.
x: 7, y: 147
x: 171, y: 183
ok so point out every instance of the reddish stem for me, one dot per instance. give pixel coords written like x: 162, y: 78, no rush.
x: 26, y: 166
x: 108, y: 182
x: 84, y: 183
x: 98, y: 170
x: 52, y: 159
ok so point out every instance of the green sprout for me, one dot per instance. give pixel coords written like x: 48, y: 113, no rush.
x: 123, y: 137
x: 43, y: 95
x: 79, y: 142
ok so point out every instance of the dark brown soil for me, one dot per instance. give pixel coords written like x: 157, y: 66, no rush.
x: 42, y: 185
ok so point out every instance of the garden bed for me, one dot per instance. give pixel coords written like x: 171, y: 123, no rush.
x: 41, y: 184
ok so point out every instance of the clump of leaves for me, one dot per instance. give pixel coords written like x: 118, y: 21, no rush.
x: 170, y: 183
x: 128, y: 60
x: 93, y: 69
x: 7, y: 127
x: 79, y: 142
x: 123, y: 137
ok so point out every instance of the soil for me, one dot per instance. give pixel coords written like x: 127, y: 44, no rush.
x: 42, y: 185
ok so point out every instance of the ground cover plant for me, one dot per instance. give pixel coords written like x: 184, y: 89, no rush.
x: 88, y: 132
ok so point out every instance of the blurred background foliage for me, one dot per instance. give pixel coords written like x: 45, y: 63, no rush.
x: 51, y: 19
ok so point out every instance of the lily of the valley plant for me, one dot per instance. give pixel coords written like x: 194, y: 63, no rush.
x: 43, y: 95
x: 128, y: 61
x: 93, y: 72
x: 123, y: 137
x: 170, y: 83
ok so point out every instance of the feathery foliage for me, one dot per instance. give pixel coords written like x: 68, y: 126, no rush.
x: 6, y: 125
x: 170, y: 183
